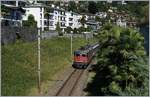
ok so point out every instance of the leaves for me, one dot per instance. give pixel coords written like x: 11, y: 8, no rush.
x: 30, y: 22
x: 114, y: 87
x: 123, y: 56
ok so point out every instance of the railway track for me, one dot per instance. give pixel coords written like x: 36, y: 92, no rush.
x: 70, y: 84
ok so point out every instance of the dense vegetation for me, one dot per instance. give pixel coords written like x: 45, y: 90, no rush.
x: 19, y: 64
x: 139, y: 10
x: 30, y: 22
x: 122, y: 63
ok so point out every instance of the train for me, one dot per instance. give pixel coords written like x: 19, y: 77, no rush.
x: 84, y: 55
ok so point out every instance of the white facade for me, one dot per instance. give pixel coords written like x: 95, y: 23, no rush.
x: 72, y: 20
x: 56, y: 15
x: 121, y: 23
x: 76, y: 23
x: 37, y: 12
x: 101, y: 14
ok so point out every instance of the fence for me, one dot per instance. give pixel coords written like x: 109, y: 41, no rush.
x: 49, y: 34
x: 11, y: 34
x: 89, y: 35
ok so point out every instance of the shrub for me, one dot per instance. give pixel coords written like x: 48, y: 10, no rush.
x: 58, y: 29
x: 75, y: 30
x: 68, y: 29
x: 30, y: 22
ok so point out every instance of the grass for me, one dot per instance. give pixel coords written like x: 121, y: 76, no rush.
x: 19, y: 64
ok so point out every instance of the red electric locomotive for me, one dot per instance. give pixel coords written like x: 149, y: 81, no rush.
x: 84, y: 55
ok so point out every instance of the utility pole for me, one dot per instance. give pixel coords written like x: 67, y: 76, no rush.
x: 39, y: 61
x: 71, y: 44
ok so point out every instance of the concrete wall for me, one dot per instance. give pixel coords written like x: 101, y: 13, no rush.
x: 11, y: 34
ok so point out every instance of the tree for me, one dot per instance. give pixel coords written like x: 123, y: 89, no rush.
x: 123, y: 60
x: 81, y: 29
x: 72, y: 6
x: 68, y: 29
x: 58, y: 29
x: 102, y: 6
x: 5, y: 11
x: 82, y: 20
x: 92, y: 8
x: 75, y: 30
x: 30, y: 22
x: 89, y: 28
x: 97, y: 18
x: 82, y: 7
x: 47, y: 15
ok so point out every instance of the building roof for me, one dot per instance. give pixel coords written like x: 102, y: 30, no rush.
x: 14, y: 7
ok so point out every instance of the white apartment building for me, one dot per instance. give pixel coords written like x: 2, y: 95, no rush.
x: 37, y: 10
x: 57, y: 15
x: 14, y: 18
x: 47, y: 17
x: 72, y: 20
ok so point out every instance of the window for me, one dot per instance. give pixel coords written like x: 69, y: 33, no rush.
x: 45, y: 23
x: 62, y: 13
x: 63, y: 24
x: 40, y: 16
x: 40, y: 9
x: 51, y: 23
x: 71, y: 14
x: 70, y: 19
x: 51, y: 17
x: 70, y: 24
x: 77, y: 54
x: 83, y: 55
x: 40, y: 22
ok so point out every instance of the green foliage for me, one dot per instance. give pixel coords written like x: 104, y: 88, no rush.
x: 19, y: 65
x: 81, y: 29
x: 92, y: 8
x: 123, y: 59
x: 68, y: 29
x: 82, y: 7
x: 97, y: 18
x: 114, y: 87
x: 88, y: 29
x: 82, y: 20
x: 4, y: 10
x: 30, y: 22
x: 75, y: 30
x: 135, y: 9
x: 72, y: 6
x: 58, y: 29
x: 102, y: 6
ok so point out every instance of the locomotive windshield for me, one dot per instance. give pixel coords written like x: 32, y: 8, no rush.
x: 77, y: 54
x: 84, y: 55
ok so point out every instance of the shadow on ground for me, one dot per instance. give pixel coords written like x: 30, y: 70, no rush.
x: 98, y: 82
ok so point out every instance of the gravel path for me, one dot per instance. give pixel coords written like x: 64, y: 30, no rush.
x: 63, y: 76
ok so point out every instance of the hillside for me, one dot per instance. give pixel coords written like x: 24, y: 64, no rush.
x: 19, y: 64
